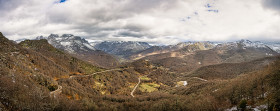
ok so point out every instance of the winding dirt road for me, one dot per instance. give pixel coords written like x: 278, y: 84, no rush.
x: 139, y: 81
x: 200, y: 78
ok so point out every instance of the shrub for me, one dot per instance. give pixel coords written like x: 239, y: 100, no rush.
x: 242, y: 105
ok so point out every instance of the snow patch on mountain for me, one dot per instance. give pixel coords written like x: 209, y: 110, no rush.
x: 274, y: 45
x: 68, y: 42
x: 256, y: 44
x: 65, y: 43
x: 244, y: 44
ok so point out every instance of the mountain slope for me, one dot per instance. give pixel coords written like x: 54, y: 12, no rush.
x: 273, y: 45
x: 69, y: 43
x: 32, y: 70
x: 56, y: 80
x: 193, y: 56
x: 59, y: 57
x: 20, y: 77
x: 231, y: 70
x: 258, y: 88
x: 159, y: 50
x: 122, y: 48
x: 243, y: 50
x: 181, y: 50
x: 81, y: 49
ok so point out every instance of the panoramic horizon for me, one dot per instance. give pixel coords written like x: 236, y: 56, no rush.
x: 150, y: 43
x: 185, y: 55
x: 157, y: 22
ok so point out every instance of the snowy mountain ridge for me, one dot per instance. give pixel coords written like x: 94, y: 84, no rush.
x: 68, y: 42
x: 73, y: 44
x: 248, y: 43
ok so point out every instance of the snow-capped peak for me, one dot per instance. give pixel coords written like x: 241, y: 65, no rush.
x: 54, y: 35
x: 248, y: 43
x: 68, y: 42
x: 40, y: 37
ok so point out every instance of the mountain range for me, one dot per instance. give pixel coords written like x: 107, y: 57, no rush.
x: 69, y: 73
x: 182, y: 57
x: 135, y: 50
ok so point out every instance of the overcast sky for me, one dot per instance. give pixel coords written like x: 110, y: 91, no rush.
x: 155, y: 21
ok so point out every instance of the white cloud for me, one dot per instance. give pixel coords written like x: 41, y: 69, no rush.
x: 155, y: 21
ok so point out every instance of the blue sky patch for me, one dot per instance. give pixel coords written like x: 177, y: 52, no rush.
x: 61, y: 1
x: 216, y: 11
x: 208, y: 5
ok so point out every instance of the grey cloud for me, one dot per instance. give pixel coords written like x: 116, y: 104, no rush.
x: 105, y: 15
x: 149, y: 20
x: 129, y: 34
x: 98, y: 35
x: 100, y: 15
x: 146, y: 5
x: 91, y: 20
x: 6, y: 6
x: 120, y: 10
x: 127, y: 31
x: 272, y: 4
x: 9, y: 4
x: 136, y: 28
